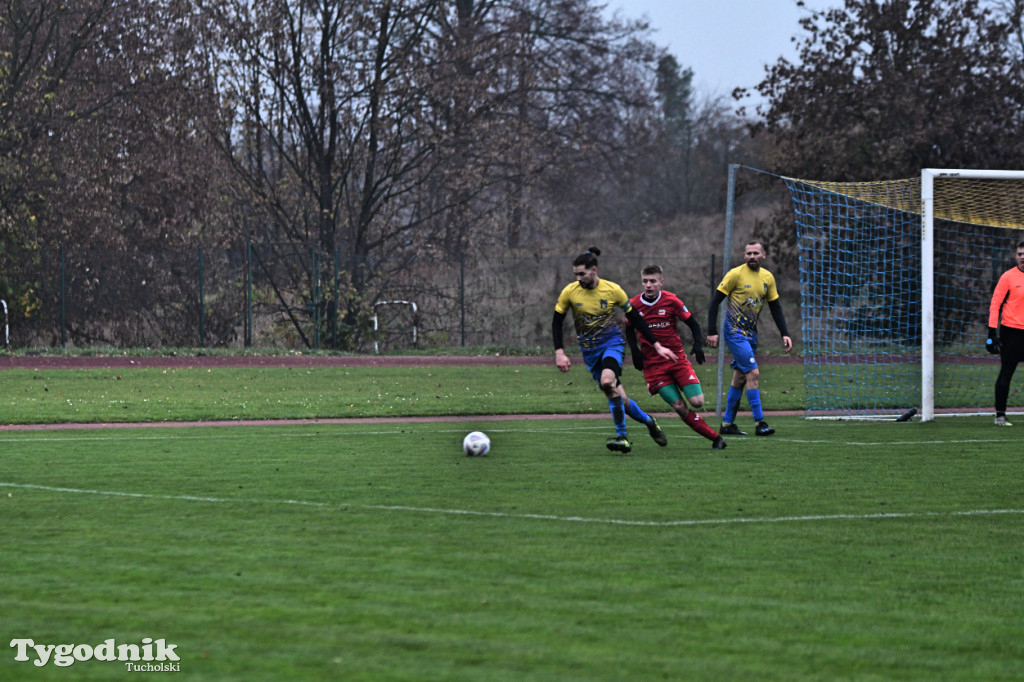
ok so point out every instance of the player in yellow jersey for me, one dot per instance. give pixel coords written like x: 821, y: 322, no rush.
x: 592, y: 302
x: 1006, y: 330
x: 747, y: 288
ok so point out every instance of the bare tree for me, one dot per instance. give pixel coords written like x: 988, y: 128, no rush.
x: 391, y: 130
x: 886, y: 88
x: 1013, y: 12
x: 102, y: 147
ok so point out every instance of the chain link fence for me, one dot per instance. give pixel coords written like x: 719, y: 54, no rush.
x: 289, y: 297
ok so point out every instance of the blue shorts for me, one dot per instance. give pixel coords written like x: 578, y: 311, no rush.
x: 743, y: 349
x: 594, y: 357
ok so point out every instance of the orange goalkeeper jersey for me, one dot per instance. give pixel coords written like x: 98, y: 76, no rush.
x: 1009, y: 299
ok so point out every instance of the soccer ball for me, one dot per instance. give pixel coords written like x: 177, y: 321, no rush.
x: 476, y: 444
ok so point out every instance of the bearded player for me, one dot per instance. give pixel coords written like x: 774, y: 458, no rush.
x: 675, y: 382
x: 592, y: 301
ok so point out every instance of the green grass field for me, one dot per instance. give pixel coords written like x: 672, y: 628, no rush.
x: 147, y: 395
x: 832, y: 550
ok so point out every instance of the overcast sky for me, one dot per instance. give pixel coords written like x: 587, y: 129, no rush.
x: 727, y: 43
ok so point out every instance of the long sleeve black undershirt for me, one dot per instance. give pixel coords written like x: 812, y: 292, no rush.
x: 773, y: 306
x: 556, y: 329
x: 694, y: 325
x: 780, y: 319
x: 716, y: 301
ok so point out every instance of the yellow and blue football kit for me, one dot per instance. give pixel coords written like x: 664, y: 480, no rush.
x: 593, y: 314
x: 593, y: 311
x: 602, y: 345
x: 747, y: 291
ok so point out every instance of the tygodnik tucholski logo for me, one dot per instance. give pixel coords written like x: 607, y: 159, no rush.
x: 149, y: 656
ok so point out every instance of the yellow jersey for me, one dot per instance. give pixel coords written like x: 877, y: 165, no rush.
x: 747, y: 291
x: 593, y: 311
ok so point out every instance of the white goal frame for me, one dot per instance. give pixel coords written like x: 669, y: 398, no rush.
x: 928, y: 176
x: 376, y: 321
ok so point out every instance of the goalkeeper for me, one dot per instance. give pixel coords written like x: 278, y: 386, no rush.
x: 662, y: 310
x: 1006, y: 330
x: 747, y: 287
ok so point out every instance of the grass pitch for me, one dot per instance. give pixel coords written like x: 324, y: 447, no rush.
x: 827, y: 551
x: 207, y: 394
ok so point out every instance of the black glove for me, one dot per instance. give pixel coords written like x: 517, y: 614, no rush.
x: 697, y: 352
x: 992, y: 343
x: 638, y: 361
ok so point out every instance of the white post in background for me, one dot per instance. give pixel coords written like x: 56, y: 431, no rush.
x: 730, y: 215
x: 927, y: 295
x: 7, y: 330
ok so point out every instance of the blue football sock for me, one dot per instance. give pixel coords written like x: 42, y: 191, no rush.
x: 618, y: 415
x: 732, y: 404
x: 754, y: 398
x: 634, y: 411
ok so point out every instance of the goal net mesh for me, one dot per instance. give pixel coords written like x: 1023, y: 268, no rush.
x: 860, y: 286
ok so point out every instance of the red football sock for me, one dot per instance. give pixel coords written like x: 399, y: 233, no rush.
x: 694, y: 421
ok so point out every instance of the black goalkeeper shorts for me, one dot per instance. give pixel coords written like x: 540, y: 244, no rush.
x: 1011, y: 344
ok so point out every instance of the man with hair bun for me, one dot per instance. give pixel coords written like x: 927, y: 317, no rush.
x: 592, y: 302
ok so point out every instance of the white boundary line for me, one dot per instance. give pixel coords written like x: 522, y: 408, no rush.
x: 391, y: 432
x: 536, y: 517
x: 431, y: 419
x: 303, y: 434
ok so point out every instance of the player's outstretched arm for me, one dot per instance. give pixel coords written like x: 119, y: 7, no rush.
x: 697, y: 352
x: 561, y: 359
x: 634, y: 349
x: 636, y: 321
x: 716, y: 301
x: 780, y: 322
x: 665, y: 353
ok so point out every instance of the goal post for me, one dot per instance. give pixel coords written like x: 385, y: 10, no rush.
x: 1004, y: 213
x: 896, y: 278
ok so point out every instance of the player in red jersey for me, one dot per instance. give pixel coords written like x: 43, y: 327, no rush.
x: 675, y: 382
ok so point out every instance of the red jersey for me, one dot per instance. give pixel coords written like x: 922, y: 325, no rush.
x: 661, y: 316
x: 1008, y: 298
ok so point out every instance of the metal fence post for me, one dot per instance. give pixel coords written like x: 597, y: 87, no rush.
x: 7, y: 329
x: 462, y: 292
x: 712, y: 277
x: 316, y: 299
x: 63, y: 304
x: 202, y: 304
x: 334, y: 318
x: 248, y: 295
x: 730, y: 212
